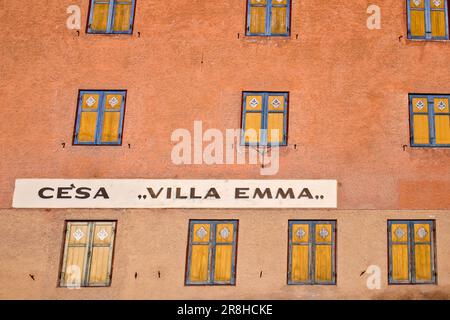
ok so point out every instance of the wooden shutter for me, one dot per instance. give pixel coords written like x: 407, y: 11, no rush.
x: 417, y: 18
x: 112, y: 115
x: 75, y: 254
x: 300, y: 252
x: 199, y: 252
x: 420, y: 121
x: 253, y: 118
x: 100, y: 14
x: 442, y: 120
x: 223, y: 262
x: 101, y: 253
x: 257, y: 16
x: 324, y: 252
x: 276, y: 119
x: 88, y: 117
x: 279, y: 17
x: 423, y: 252
x: 400, y: 252
x: 438, y: 18
x: 123, y: 10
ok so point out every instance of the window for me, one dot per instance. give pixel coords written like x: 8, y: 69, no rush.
x: 111, y: 16
x: 212, y: 252
x: 264, y: 118
x: 100, y: 118
x: 268, y: 17
x: 312, y: 252
x: 429, y: 120
x: 411, y: 252
x: 428, y: 19
x: 88, y: 254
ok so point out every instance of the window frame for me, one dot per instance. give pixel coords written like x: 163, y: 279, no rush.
x: 100, y: 111
x: 311, y: 257
x: 427, y: 12
x: 212, y: 250
x: 268, y: 32
x: 431, y: 119
x: 91, y: 224
x: 110, y: 23
x: 263, y: 141
x: 411, y: 252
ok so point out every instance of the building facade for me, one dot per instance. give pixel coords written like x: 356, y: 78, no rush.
x: 366, y: 107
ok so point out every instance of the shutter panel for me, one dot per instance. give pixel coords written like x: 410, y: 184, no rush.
x: 442, y: 120
x: 400, y: 255
x: 123, y: 10
x: 88, y: 118
x: 275, y: 123
x: 417, y: 18
x: 100, y: 15
x: 324, y: 254
x: 300, y: 253
x: 422, y: 249
x: 199, y: 259
x: 420, y: 121
x: 223, y: 263
x: 75, y: 253
x: 101, y: 255
x: 438, y: 21
x: 112, y: 117
x: 279, y: 17
x: 257, y: 23
x: 253, y: 118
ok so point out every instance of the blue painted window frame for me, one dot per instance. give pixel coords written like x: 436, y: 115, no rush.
x: 110, y: 24
x: 312, y: 245
x: 268, y: 31
x: 212, y: 251
x: 428, y: 32
x: 411, y: 250
x: 431, y: 119
x: 263, y: 141
x: 100, y: 111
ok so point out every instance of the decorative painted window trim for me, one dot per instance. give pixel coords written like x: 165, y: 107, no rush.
x: 111, y: 16
x: 428, y: 25
x: 268, y: 18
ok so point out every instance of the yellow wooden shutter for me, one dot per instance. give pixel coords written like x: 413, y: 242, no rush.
x: 275, y: 121
x: 422, y: 250
x: 199, y: 259
x: 111, y: 118
x: 420, y: 121
x: 438, y: 21
x: 279, y: 17
x: 224, y: 252
x: 101, y: 253
x: 100, y: 15
x: 76, y: 251
x: 88, y: 118
x: 442, y: 120
x: 400, y: 252
x: 417, y: 17
x: 258, y: 16
x: 253, y: 118
x: 122, y: 15
x: 324, y: 253
x: 300, y: 253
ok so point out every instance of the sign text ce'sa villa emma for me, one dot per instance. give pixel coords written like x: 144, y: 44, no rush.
x: 147, y: 193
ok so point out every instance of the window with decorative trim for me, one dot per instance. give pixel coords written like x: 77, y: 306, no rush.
x: 264, y: 118
x: 429, y: 120
x: 111, y: 16
x: 211, y: 258
x: 88, y: 252
x: 411, y: 252
x: 268, y: 17
x: 428, y: 19
x: 100, y: 118
x: 312, y: 247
